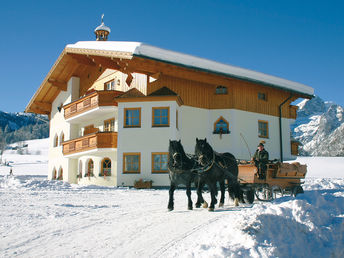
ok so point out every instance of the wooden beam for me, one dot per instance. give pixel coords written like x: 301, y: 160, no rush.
x: 82, y: 59
x: 43, y: 105
x: 59, y: 84
x: 129, y: 79
x: 155, y: 75
x: 105, y: 62
x: 38, y: 109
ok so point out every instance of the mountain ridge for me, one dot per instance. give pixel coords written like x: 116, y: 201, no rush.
x: 20, y: 126
x: 319, y: 127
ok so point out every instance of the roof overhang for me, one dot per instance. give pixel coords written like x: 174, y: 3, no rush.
x: 88, y: 59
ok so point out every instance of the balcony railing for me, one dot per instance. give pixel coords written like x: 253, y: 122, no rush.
x: 292, y: 111
x: 89, y: 142
x: 91, y: 101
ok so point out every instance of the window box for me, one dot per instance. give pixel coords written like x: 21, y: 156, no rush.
x: 143, y: 184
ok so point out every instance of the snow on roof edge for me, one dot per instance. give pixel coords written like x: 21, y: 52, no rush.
x: 148, y: 51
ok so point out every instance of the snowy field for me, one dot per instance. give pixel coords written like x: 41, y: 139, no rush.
x: 41, y: 218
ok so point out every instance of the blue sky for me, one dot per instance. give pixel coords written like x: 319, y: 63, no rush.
x: 302, y: 41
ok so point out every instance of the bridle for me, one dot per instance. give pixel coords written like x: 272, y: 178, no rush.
x: 174, y: 155
x: 208, y: 167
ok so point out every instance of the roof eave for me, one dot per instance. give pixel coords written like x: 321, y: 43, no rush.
x: 284, y: 88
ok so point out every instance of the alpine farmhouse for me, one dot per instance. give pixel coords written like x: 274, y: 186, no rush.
x: 114, y: 106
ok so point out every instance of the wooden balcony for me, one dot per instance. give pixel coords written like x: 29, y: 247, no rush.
x: 292, y: 111
x: 91, y: 101
x: 90, y: 142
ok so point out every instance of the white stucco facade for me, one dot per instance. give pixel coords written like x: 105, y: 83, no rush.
x: 59, y: 127
x: 147, y: 139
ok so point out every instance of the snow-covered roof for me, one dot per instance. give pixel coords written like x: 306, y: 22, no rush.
x: 147, y: 51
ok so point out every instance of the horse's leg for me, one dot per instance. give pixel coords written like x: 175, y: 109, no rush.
x: 237, y: 190
x: 213, y: 190
x: 200, y: 199
x: 188, y: 193
x: 222, y: 198
x: 170, y: 201
x: 205, y: 204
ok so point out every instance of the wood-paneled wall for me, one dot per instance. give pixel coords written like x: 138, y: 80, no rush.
x: 241, y: 95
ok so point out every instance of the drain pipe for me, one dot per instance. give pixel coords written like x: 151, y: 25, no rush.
x: 280, y: 126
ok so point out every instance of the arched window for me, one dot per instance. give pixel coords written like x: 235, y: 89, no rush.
x: 60, y: 177
x: 90, y: 167
x: 79, y: 175
x: 56, y: 140
x: 106, y: 167
x: 221, y: 126
x: 221, y: 90
x: 54, y: 174
x: 61, y: 138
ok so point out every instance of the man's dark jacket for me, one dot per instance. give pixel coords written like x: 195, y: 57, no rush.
x: 261, y: 157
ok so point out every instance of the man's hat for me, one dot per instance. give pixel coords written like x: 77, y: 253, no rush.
x: 261, y: 143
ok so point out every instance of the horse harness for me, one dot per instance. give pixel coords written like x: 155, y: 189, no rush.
x: 221, y: 163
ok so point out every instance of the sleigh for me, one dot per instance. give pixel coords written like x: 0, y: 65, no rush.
x: 280, y: 179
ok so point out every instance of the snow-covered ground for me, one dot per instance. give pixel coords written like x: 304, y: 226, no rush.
x: 33, y: 161
x: 42, y: 218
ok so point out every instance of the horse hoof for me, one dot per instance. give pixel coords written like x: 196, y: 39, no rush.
x: 198, y: 206
x: 236, y: 202
x: 205, y: 205
x: 170, y: 209
x: 211, y: 209
x: 221, y: 204
x: 189, y: 208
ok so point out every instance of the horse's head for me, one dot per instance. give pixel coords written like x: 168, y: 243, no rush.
x: 176, y: 152
x: 203, y: 152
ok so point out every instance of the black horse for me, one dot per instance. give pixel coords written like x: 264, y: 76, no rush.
x: 217, y: 167
x: 180, y: 167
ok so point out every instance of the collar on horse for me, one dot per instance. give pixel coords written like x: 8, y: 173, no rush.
x: 207, y: 168
x: 181, y: 168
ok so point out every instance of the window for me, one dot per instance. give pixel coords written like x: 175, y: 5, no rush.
x: 80, y: 170
x: 54, y: 174
x: 221, y: 90
x: 56, y: 141
x: 90, y: 129
x: 131, y: 162
x: 109, y: 85
x: 177, y: 120
x: 221, y: 126
x: 262, y: 96
x: 294, y: 147
x: 109, y: 125
x: 90, y: 167
x: 159, y: 162
x: 263, y: 129
x: 161, y: 116
x: 132, y: 117
x: 61, y: 138
x: 106, y: 167
x: 60, y: 177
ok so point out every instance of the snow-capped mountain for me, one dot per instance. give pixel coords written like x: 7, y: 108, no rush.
x: 320, y: 128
